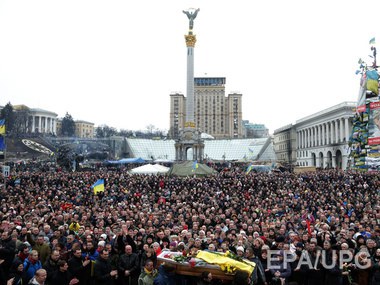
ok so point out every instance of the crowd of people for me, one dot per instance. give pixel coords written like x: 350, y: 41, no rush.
x: 54, y: 230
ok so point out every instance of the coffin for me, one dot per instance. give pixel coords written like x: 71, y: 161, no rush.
x: 184, y: 268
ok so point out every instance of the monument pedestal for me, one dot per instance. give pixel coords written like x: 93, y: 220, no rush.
x: 189, y: 138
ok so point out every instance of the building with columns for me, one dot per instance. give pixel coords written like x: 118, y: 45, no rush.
x: 320, y: 139
x: 42, y: 121
x: 37, y: 120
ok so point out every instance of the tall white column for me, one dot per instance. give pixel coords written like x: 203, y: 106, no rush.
x: 336, y: 131
x: 190, y: 43
x: 323, y: 134
x: 341, y: 129
x: 310, y: 137
x: 39, y: 124
x: 27, y: 124
x: 316, y: 135
x: 33, y: 124
x: 46, y: 123
x: 347, y: 131
x: 298, y: 140
x: 329, y: 133
x: 303, y: 138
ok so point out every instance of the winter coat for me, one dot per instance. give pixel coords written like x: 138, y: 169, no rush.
x: 102, y: 270
x: 30, y: 268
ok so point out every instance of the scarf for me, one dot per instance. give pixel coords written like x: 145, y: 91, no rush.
x: 152, y: 273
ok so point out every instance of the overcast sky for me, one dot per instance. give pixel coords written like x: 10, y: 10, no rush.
x: 116, y: 62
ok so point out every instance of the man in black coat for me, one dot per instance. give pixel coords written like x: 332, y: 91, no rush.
x: 104, y: 274
x: 129, y: 267
x: 51, y: 265
x: 7, y: 251
x: 62, y: 276
x: 80, y: 267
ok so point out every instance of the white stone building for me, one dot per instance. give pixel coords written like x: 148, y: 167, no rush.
x: 322, y: 138
x: 42, y: 121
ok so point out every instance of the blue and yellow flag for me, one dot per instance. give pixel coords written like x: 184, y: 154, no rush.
x: 249, y: 168
x: 98, y: 186
x: 195, y: 165
x: 2, y: 126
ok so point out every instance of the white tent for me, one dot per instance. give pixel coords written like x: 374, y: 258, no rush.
x: 149, y: 169
x: 164, y: 169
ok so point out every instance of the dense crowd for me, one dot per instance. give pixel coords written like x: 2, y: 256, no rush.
x: 54, y: 230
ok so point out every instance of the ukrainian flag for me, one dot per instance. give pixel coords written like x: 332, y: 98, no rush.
x: 2, y: 126
x: 249, y: 168
x: 98, y: 186
x: 195, y: 165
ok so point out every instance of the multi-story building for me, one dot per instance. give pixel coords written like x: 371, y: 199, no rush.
x: 83, y: 129
x: 35, y: 120
x: 321, y: 138
x: 285, y: 144
x: 251, y: 130
x: 215, y: 114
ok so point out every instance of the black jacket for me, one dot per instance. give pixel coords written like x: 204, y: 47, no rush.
x: 102, y: 270
x: 60, y: 278
x: 129, y: 262
x: 51, y: 267
x: 7, y: 252
x: 77, y: 270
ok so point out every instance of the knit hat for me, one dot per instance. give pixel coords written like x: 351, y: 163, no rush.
x: 15, y: 264
x: 240, y: 248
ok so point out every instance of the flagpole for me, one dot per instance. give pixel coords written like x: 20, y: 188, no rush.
x: 5, y: 155
x: 4, y: 152
x: 4, y: 149
x: 373, y: 49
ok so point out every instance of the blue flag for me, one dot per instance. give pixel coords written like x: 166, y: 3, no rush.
x: 2, y: 143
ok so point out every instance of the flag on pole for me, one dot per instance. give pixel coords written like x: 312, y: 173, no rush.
x: 249, y: 168
x: 2, y: 126
x: 372, y: 41
x: 98, y: 186
x: 195, y: 165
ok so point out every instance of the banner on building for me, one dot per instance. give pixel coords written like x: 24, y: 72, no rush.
x: 374, y: 124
